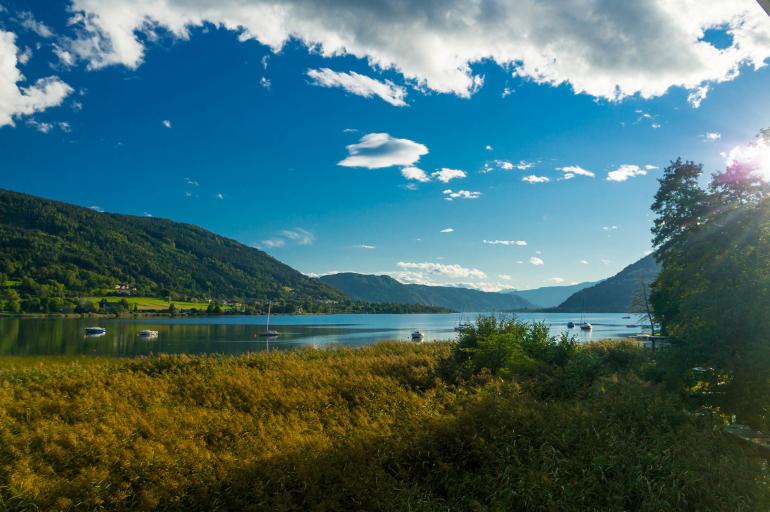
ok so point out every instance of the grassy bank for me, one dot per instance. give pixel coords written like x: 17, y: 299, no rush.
x: 391, y: 427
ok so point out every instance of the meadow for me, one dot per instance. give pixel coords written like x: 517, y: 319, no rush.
x: 151, y: 303
x: 395, y: 426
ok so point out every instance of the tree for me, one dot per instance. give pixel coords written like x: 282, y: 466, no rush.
x: 640, y: 303
x: 12, y: 301
x: 681, y: 204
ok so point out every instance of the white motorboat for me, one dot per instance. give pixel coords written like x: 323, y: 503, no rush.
x: 95, y: 331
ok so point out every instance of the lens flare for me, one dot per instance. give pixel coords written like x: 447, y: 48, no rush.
x: 754, y: 158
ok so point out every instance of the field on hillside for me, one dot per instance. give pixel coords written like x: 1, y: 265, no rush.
x: 151, y: 303
x: 381, y: 428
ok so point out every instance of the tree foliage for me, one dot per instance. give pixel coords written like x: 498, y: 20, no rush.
x: 713, y: 292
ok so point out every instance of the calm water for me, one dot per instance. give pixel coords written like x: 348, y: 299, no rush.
x: 235, y: 334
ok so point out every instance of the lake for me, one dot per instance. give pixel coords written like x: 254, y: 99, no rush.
x: 237, y: 334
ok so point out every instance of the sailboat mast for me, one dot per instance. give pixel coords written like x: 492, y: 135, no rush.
x: 267, y: 327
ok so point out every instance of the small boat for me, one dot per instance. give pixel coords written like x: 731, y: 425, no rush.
x: 626, y: 317
x: 586, y: 327
x: 269, y: 333
x: 570, y: 325
x: 632, y: 326
x: 95, y: 331
x: 147, y: 333
x: 418, y: 336
x: 463, y: 326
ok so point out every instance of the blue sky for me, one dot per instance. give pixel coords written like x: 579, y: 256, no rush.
x: 222, y: 122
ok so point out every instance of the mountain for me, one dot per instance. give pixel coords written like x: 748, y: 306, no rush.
x: 550, y: 296
x: 51, y: 247
x: 371, y: 288
x: 615, y: 293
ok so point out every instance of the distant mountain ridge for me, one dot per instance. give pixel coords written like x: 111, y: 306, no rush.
x: 383, y: 288
x: 53, y: 244
x: 550, y: 296
x: 615, y: 294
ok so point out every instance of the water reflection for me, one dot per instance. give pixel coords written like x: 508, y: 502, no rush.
x: 231, y: 335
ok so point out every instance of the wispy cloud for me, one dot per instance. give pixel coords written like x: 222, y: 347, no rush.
x: 28, y: 21
x: 97, y: 208
x: 505, y: 242
x: 219, y: 195
x: 365, y: 246
x: 360, y: 85
x: 712, y: 136
x: 191, y: 182
x: 167, y: 123
x: 295, y: 236
x: 696, y: 97
x: 447, y: 230
x: 555, y: 280
x: 536, y: 261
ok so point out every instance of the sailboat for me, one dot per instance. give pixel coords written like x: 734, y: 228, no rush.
x: 270, y: 333
x: 462, y: 324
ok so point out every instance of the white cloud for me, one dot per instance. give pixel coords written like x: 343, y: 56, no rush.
x: 190, y: 182
x: 265, y: 83
x: 522, y: 165
x: 445, y: 175
x: 505, y: 277
x: 365, y: 246
x: 25, y: 55
x: 627, y: 171
x: 414, y: 173
x: 712, y: 136
x: 42, y: 127
x: 167, y: 123
x: 18, y: 101
x: 453, y: 270
x: 299, y: 236
x: 505, y: 242
x: 450, y: 195
x: 488, y: 147
x: 582, y: 43
x: 535, y: 179
x: 97, y: 208
x: 696, y: 97
x: 379, y: 150
x: 575, y: 170
x: 219, y: 195
x: 609, y: 228
x: 273, y: 242
x: 28, y: 21
x: 360, y: 85
x: 536, y: 261
x: 296, y: 236
x: 447, y: 230
x: 555, y: 280
x: 66, y: 58
x: 655, y: 126
x: 583, y: 262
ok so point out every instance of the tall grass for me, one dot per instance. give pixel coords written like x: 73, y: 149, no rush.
x: 390, y: 427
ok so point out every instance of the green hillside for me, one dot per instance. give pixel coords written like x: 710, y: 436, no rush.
x: 615, y: 293
x: 372, y: 288
x: 54, y: 249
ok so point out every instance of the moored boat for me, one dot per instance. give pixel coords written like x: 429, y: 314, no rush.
x: 586, y: 326
x: 95, y: 331
x: 418, y: 336
x: 570, y: 325
x: 147, y: 333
